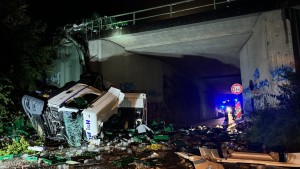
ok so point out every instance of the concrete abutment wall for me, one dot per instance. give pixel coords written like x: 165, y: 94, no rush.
x: 263, y: 59
x: 171, y: 95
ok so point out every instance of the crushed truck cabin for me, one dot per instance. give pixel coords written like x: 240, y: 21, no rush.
x: 78, y: 111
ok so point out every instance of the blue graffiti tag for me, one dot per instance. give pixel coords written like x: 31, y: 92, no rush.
x: 246, y: 90
x: 264, y: 83
x: 279, y: 73
x: 257, y: 86
x: 256, y: 74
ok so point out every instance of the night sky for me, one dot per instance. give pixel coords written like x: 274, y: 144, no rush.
x: 60, y: 12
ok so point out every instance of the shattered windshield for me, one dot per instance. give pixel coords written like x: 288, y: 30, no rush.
x: 82, y: 101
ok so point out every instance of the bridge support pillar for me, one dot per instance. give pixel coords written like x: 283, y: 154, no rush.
x: 263, y: 58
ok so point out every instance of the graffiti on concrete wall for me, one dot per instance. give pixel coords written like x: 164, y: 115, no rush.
x: 256, y: 74
x: 247, y: 100
x: 278, y: 73
x: 261, y: 92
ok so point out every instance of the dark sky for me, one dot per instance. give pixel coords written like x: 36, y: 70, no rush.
x: 60, y: 12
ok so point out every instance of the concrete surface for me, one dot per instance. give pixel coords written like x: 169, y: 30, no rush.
x: 265, y: 56
x: 213, y: 122
x: 205, y: 51
x: 218, y: 39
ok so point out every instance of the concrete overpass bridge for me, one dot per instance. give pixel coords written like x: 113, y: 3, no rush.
x: 183, y: 62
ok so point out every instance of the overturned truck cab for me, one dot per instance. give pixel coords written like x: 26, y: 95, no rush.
x: 74, y: 112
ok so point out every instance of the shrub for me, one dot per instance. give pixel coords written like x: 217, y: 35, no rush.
x: 6, y: 89
x: 16, y: 147
x: 279, y: 126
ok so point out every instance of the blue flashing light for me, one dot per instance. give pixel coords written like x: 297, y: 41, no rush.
x: 223, y: 100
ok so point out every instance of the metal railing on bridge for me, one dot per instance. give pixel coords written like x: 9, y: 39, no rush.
x: 186, y: 7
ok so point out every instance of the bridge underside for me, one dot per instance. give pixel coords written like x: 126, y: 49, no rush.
x: 218, y: 39
x: 206, y: 51
x: 250, y: 49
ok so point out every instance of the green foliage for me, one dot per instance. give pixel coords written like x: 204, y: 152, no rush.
x: 279, y: 126
x: 112, y: 23
x: 39, y: 141
x: 6, y: 89
x: 106, y: 22
x: 16, y: 147
x: 28, y: 53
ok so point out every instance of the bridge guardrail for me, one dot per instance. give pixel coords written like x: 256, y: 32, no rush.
x: 156, y: 13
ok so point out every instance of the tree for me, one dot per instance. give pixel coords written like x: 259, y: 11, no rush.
x: 27, y: 54
x: 5, y: 100
x: 279, y: 126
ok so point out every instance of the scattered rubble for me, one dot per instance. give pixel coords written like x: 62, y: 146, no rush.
x: 165, y: 147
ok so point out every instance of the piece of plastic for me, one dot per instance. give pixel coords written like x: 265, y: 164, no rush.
x: 31, y: 158
x: 154, y: 147
x: 6, y: 157
x: 47, y: 161
x: 169, y: 128
x: 36, y: 148
x: 161, y: 137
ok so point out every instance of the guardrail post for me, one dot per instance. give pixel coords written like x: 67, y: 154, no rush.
x: 214, y: 4
x: 92, y: 29
x: 171, y: 11
x: 100, y: 25
x: 86, y: 29
x: 133, y: 14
